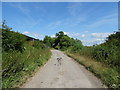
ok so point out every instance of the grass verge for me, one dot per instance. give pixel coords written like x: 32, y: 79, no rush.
x: 109, y: 76
x: 17, y: 67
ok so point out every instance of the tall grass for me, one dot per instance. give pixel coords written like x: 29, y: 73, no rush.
x: 21, y: 56
x: 17, y: 66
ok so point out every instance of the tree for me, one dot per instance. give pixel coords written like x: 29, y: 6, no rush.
x: 12, y: 40
x: 63, y: 42
x: 77, y: 45
x: 59, y: 35
x: 48, y: 41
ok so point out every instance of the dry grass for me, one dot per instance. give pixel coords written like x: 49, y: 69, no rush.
x: 108, y: 75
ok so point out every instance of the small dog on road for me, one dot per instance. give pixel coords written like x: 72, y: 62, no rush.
x: 59, y: 59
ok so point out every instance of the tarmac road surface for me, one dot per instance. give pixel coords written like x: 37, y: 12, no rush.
x: 62, y: 71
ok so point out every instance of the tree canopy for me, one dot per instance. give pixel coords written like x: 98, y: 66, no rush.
x: 62, y: 42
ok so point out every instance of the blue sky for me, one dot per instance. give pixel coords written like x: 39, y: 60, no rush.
x: 91, y: 22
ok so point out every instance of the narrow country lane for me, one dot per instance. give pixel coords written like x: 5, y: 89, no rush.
x: 63, y: 72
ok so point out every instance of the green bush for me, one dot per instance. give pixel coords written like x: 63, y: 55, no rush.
x: 12, y: 40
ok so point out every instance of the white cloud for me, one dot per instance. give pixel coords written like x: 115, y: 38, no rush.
x: 34, y: 35
x: 87, y: 40
x: 53, y: 36
x: 66, y: 33
x: 28, y: 19
x: 100, y: 35
x: 53, y: 25
x: 83, y: 35
x: 25, y: 32
x: 104, y: 20
x: 78, y: 35
x: 74, y: 35
x: 37, y: 35
x: 97, y: 38
x: 91, y: 42
x: 22, y: 8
